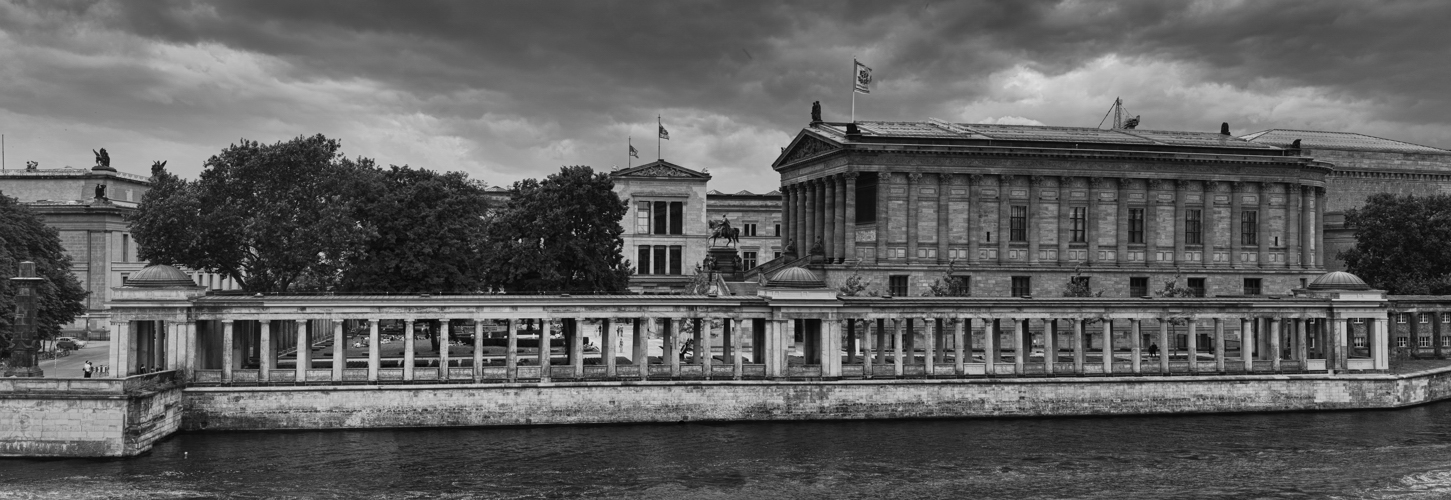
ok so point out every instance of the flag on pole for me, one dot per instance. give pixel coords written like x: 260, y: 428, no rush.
x: 663, y: 134
x: 863, y: 80
x: 634, y: 152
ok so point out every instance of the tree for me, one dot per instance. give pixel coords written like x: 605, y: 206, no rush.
x: 949, y: 285
x: 60, y: 298
x: 1402, y: 243
x: 1173, y: 290
x: 560, y: 235
x: 1078, y: 286
x: 428, y: 233
x: 268, y: 216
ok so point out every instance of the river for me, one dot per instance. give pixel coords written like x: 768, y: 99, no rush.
x: 1361, y: 454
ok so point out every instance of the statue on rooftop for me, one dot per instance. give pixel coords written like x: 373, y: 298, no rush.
x: 816, y: 112
x: 100, y: 191
x: 818, y: 248
x: 103, y: 159
x: 790, y: 248
x: 722, y: 229
x: 32, y: 165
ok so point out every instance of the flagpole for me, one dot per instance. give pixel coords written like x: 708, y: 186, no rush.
x: 628, y: 162
x: 658, y: 125
x: 853, y: 90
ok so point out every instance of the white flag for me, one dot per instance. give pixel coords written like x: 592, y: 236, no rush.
x: 863, y: 81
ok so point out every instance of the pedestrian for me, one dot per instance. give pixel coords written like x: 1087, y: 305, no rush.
x: 86, y: 369
x: 1153, y: 350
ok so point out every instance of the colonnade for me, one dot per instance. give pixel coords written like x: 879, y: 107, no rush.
x: 825, y: 208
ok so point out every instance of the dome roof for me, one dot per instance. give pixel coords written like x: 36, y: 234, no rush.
x: 159, y: 275
x: 1338, y: 280
x: 795, y: 277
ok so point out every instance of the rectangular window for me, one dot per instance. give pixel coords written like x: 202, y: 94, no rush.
x: 1196, y: 285
x: 675, y: 263
x: 866, y: 197
x: 661, y: 264
x: 125, y: 248
x: 660, y: 213
x: 749, y: 259
x: 778, y: 229
x: 1249, y: 227
x: 775, y: 255
x: 1425, y: 318
x: 642, y: 217
x: 897, y: 285
x: 1423, y: 341
x: 1022, y: 286
x: 1080, y: 225
x: 1018, y: 224
x: 677, y: 217
x: 1193, y: 227
x: 1360, y: 342
x: 642, y: 266
x: 1136, y: 225
x: 1139, y: 287
x: 1251, y: 286
x: 748, y: 229
x: 1402, y: 318
x: 1400, y: 341
x: 1446, y: 341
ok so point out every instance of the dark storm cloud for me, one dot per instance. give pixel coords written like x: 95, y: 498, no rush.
x: 522, y: 84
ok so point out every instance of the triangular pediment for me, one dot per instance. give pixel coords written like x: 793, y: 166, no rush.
x: 660, y: 168
x: 806, y: 145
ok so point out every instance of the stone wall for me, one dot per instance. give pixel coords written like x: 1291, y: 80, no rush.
x: 261, y: 408
x: 86, y: 417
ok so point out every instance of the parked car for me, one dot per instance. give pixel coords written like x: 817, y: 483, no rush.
x: 78, y: 342
x: 66, y: 343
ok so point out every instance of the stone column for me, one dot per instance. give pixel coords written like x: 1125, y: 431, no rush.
x: 839, y: 219
x: 1193, y: 344
x: 1274, y: 344
x: 1035, y: 185
x: 374, y: 358
x: 228, y: 344
x: 1219, y: 345
x: 944, y: 220
x: 608, y: 339
x: 1090, y: 220
x: 1382, y: 332
x: 408, y: 349
x: 786, y: 223
x: 1292, y: 226
x: 735, y: 352
x: 546, y: 354
x: 897, y: 345
x: 798, y: 219
x: 1206, y: 228
x: 1151, y: 226
x: 264, y: 351
x: 1107, y: 346
x: 883, y: 191
x: 1164, y: 347
x: 727, y: 340
x: 1005, y: 186
x: 116, y: 353
x: 974, y: 213
x: 511, y: 350
x: 1301, y: 352
x: 576, y: 347
x: 849, y: 212
x: 1180, y: 188
x: 910, y: 342
x: 960, y: 349
x: 304, y: 350
x: 1050, y: 344
x: 929, y: 353
x: 1247, y: 344
x: 1307, y: 218
x: 914, y: 184
x: 1262, y: 225
x: 1121, y: 221
x: 703, y: 348
x: 478, y: 366
x: 671, y: 348
x: 1078, y: 356
x: 641, y: 343
x: 882, y: 341
x: 340, y: 351
x: 812, y: 230
x: 1064, y: 219
x: 443, y: 349
x: 1236, y: 216
x: 1137, y: 344
x: 1020, y: 355
x: 867, y: 353
x: 990, y: 345
x: 828, y: 217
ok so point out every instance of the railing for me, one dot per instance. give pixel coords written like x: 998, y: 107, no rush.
x: 128, y: 385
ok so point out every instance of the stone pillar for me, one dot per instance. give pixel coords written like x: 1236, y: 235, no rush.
x: 849, y: 213
x: 1236, y: 216
x: 839, y: 218
x: 1064, y: 219
x: 897, y: 345
x: 1137, y: 344
x: 1035, y: 185
x: 883, y: 191
x: 116, y: 353
x: 798, y: 219
x: 771, y: 358
x: 671, y: 348
x: 1219, y: 345
x: 1151, y: 226
x: 944, y: 221
x: 1107, y: 346
x: 408, y: 349
x: 1005, y: 187
x: 1318, y: 255
x: 608, y: 339
x: 1090, y: 220
x: 1301, y: 352
x: 227, y: 356
x: 734, y: 334
x: 1247, y: 344
x: 911, y: 343
x: 1193, y: 345
x: 1274, y: 344
x: 974, y: 214
x: 1382, y: 332
x: 1307, y: 218
x: 990, y: 345
x: 1206, y: 228
x: 929, y: 353
x: 1262, y: 226
x: 1180, y: 188
x: 478, y: 365
x: 1020, y: 355
x: 786, y: 225
x: 1342, y: 345
x: 882, y: 341
x: 703, y: 348
x: 576, y: 347
x: 867, y: 353
x: 340, y: 351
x: 511, y: 350
x: 1078, y: 356
x: 812, y: 230
x: 1121, y: 221
x: 960, y: 349
x: 914, y: 184
x: 828, y: 217
x: 374, y: 358
x: 443, y: 344
x: 1292, y: 226
x: 641, y: 355
x: 546, y: 354
x: 1050, y: 344
x: 727, y: 340
x: 264, y: 351
x: 1164, y: 347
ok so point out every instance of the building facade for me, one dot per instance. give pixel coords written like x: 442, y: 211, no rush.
x: 1023, y: 210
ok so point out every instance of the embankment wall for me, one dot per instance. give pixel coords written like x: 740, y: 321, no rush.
x: 85, y: 417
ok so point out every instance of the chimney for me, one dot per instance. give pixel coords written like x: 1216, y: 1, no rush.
x: 1224, y: 128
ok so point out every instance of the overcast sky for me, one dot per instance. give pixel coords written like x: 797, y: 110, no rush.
x: 508, y: 90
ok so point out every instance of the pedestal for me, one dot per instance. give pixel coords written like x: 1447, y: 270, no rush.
x: 727, y: 263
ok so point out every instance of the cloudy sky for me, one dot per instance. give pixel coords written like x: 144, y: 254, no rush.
x: 508, y: 90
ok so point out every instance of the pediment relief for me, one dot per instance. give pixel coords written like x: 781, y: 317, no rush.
x: 808, y: 147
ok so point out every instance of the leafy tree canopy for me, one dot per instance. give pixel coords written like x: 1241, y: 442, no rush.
x: 561, y: 234
x: 60, y: 298
x: 949, y: 285
x: 1402, y: 243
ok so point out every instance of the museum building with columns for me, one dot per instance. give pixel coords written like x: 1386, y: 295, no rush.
x: 1022, y: 210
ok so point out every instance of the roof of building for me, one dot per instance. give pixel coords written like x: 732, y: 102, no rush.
x: 158, y: 276
x: 1311, y: 139
x: 742, y: 192
x: 1338, y: 280
x: 659, y: 168
x: 795, y: 277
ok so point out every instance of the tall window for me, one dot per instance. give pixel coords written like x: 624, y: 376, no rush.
x: 897, y: 285
x: 675, y: 265
x: 1080, y: 224
x: 749, y: 259
x: 1249, y: 227
x: 1251, y: 286
x: 1018, y: 224
x: 642, y: 218
x: 866, y: 197
x: 1196, y: 285
x: 748, y: 229
x: 677, y: 217
x: 1022, y: 286
x: 1136, y: 225
x: 659, y: 259
x: 661, y: 217
x: 1139, y: 287
x: 642, y: 264
x: 662, y: 263
x: 778, y: 229
x: 1193, y: 227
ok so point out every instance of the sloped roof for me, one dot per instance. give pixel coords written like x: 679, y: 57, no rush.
x: 659, y: 168
x: 1311, y: 139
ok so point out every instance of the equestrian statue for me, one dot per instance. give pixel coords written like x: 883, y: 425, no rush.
x: 722, y: 229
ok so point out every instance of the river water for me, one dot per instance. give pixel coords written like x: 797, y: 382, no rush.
x: 1363, y: 454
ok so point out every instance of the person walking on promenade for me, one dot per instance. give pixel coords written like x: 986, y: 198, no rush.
x: 86, y: 369
x: 1153, y: 351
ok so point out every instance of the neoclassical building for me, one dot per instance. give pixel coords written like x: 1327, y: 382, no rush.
x: 1022, y: 210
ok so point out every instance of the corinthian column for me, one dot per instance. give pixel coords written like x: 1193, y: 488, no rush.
x: 914, y: 184
x: 849, y: 212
